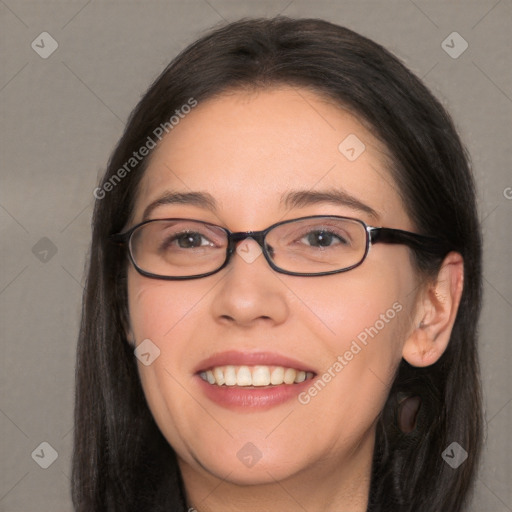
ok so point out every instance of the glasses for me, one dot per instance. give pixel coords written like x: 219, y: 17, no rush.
x: 317, y: 245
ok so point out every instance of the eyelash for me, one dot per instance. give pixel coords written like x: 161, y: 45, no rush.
x: 176, y: 236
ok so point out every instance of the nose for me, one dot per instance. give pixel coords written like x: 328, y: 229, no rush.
x: 250, y: 291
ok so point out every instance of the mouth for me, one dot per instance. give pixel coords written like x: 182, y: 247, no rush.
x: 258, y: 376
x: 246, y: 381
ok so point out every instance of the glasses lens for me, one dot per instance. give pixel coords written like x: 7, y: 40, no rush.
x: 178, y: 247
x: 184, y: 248
x: 316, y: 245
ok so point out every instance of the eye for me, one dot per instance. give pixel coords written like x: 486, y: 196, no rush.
x: 323, y: 238
x: 187, y: 240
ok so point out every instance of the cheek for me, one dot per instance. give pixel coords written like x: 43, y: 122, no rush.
x: 159, y: 308
x: 364, y: 325
x: 351, y: 306
x: 167, y: 313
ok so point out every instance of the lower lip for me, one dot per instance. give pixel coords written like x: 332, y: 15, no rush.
x: 238, y: 397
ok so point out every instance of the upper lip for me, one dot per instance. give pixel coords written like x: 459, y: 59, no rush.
x: 237, y: 358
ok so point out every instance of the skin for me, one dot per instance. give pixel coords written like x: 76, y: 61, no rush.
x: 246, y: 149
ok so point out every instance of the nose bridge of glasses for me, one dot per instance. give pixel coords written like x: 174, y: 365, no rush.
x: 257, y: 236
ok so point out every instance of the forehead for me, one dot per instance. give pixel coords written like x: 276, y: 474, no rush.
x: 247, y: 149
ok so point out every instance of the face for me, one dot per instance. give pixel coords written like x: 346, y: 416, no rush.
x: 247, y: 151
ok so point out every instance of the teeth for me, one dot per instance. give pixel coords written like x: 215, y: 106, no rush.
x: 277, y: 376
x: 218, y: 375
x: 289, y: 376
x: 301, y: 376
x: 261, y: 376
x: 256, y: 376
x: 230, y: 375
x: 243, y: 376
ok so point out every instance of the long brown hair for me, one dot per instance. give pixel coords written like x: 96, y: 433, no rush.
x: 121, y: 460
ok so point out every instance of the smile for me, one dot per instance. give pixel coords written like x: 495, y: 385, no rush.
x: 255, y: 376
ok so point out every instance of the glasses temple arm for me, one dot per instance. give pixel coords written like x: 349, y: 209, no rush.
x: 422, y: 243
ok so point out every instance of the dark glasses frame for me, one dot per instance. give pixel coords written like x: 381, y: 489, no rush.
x: 423, y: 243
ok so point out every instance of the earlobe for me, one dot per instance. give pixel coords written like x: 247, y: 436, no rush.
x: 436, y: 312
x: 126, y: 328
x: 128, y: 335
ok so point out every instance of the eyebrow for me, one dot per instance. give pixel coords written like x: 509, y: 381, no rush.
x: 302, y: 198
x: 290, y: 200
x: 201, y: 199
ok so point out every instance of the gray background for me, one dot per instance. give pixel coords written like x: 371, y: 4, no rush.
x: 61, y: 117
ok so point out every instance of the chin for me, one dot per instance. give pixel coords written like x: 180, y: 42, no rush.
x: 249, y: 465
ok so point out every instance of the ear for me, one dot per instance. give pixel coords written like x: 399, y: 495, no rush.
x: 130, y: 338
x: 436, y: 311
x: 128, y: 332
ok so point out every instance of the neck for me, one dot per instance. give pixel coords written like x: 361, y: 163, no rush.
x: 337, y: 484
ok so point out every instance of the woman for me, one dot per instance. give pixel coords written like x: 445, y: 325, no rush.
x: 283, y: 289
